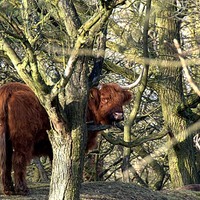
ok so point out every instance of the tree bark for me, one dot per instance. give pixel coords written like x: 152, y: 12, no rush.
x: 181, y: 155
x: 68, y: 185
x: 68, y: 135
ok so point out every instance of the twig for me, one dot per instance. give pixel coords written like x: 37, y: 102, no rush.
x: 183, y: 63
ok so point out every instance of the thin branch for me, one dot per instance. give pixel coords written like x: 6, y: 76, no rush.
x: 16, y: 61
x: 110, y: 167
x: 85, y: 37
x: 183, y: 63
x: 118, y: 141
x: 141, y: 88
x: 92, y: 127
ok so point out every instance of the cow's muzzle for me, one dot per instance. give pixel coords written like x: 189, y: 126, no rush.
x: 117, y: 116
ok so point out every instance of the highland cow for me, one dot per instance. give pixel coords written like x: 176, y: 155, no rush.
x: 24, y: 124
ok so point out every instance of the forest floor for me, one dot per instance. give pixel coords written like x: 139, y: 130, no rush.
x: 109, y: 191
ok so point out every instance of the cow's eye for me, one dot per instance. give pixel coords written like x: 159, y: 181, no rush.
x: 104, y: 100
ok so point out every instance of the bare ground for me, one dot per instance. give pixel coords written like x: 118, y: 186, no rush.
x: 109, y: 191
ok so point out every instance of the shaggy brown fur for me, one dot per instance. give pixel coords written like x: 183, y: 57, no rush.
x: 105, y: 107
x: 23, y: 125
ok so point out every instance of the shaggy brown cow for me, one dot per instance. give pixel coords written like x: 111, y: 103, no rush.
x: 105, y: 107
x: 23, y: 125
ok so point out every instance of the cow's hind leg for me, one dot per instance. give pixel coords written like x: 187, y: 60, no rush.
x: 20, y: 161
x: 8, y: 188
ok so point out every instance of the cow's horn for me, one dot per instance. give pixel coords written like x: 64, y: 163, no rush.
x: 127, y: 87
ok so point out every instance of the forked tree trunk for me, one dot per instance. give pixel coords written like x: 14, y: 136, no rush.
x: 68, y: 136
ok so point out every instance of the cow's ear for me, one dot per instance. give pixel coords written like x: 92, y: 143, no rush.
x: 127, y: 96
x: 94, y: 98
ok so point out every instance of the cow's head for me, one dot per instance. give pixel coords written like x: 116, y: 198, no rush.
x: 105, y: 103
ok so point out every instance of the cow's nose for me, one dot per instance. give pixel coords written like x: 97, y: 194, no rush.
x: 118, y: 116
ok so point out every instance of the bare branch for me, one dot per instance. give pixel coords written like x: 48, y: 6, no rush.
x: 85, y: 37
x: 16, y: 61
x: 183, y: 63
x: 118, y: 141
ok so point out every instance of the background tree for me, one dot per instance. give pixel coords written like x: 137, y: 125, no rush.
x: 42, y: 36
x: 169, y: 26
x: 181, y: 155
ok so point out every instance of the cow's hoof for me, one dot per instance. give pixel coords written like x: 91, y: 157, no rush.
x: 22, y: 191
x: 9, y: 190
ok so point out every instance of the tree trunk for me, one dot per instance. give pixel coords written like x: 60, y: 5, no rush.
x: 181, y: 156
x: 66, y: 173
x: 68, y: 136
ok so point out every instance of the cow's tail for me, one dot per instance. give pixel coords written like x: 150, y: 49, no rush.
x: 5, y: 147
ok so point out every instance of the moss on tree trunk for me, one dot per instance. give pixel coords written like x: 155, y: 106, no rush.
x: 181, y: 156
